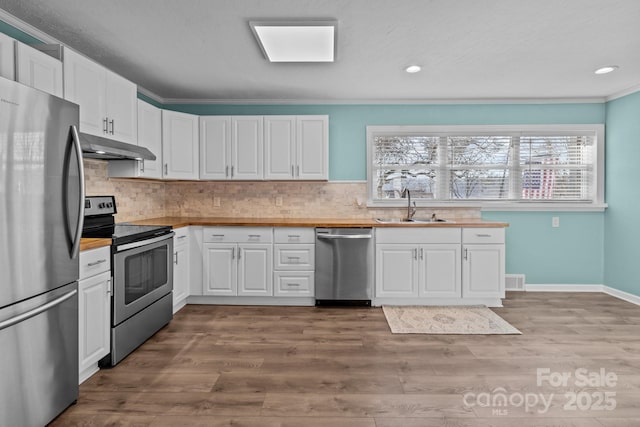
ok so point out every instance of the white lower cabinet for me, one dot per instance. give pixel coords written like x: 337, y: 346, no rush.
x: 237, y: 261
x: 181, y: 268
x: 94, y: 303
x: 294, y: 262
x: 440, y: 266
x: 483, y: 263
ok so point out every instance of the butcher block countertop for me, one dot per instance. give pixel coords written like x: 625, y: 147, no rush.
x: 177, y: 222
x: 183, y: 221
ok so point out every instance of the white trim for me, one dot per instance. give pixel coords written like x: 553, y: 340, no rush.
x: 19, y: 24
x: 233, y: 300
x: 626, y: 296
x: 352, y: 181
x: 425, y: 101
x: 632, y: 89
x: 563, y: 288
x: 489, y: 302
x: 149, y: 94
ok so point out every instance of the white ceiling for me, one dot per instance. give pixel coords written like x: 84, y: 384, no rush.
x: 204, y: 50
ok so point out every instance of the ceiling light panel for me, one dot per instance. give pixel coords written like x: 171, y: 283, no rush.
x: 309, y: 41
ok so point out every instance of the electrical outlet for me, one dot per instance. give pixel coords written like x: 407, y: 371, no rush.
x: 216, y: 202
x: 555, y: 221
x: 279, y: 201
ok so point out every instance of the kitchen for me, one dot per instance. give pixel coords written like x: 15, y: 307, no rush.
x: 564, y: 258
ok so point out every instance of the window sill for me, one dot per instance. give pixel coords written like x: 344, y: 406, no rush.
x: 496, y: 206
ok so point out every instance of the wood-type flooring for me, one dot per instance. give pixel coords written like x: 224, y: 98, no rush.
x: 577, y: 363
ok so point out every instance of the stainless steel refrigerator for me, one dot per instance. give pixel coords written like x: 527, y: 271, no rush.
x: 41, y: 214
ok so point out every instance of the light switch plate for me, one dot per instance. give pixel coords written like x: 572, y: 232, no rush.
x: 555, y: 221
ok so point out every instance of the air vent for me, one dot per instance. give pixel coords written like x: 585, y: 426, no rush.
x: 514, y: 282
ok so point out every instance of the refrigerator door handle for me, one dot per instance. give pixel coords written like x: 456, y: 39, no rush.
x: 75, y: 250
x: 31, y: 313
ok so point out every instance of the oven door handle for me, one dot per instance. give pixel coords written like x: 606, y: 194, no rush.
x: 134, y: 245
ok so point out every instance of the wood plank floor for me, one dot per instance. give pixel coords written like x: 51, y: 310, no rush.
x: 305, y: 366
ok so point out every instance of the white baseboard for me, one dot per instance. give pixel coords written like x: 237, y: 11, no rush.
x: 626, y: 296
x: 563, y: 288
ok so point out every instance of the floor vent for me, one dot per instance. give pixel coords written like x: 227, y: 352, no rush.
x: 514, y: 282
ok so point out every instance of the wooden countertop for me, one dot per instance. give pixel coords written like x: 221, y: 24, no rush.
x: 183, y: 221
x: 177, y: 222
x: 91, y: 243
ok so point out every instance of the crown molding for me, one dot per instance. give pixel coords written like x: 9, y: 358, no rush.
x: 27, y: 28
x: 146, y: 92
x: 629, y: 91
x: 426, y: 101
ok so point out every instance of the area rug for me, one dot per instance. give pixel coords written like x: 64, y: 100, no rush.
x: 467, y: 320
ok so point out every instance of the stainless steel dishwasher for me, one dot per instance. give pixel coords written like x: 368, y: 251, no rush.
x: 344, y: 266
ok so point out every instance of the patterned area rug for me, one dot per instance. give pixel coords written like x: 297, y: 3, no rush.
x: 467, y: 320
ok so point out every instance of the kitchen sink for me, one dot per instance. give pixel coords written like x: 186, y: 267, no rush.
x: 411, y: 221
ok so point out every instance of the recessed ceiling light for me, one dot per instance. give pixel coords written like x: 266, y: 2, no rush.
x: 297, y: 41
x: 413, y: 69
x: 607, y: 69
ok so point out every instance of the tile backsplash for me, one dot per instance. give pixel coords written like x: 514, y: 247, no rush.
x: 142, y: 199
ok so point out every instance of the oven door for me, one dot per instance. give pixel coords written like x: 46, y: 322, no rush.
x: 142, y: 274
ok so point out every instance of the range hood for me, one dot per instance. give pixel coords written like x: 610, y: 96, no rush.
x: 95, y: 147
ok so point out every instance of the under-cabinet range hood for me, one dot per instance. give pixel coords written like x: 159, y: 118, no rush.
x: 95, y: 147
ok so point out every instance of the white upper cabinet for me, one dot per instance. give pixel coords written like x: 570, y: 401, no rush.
x: 108, y: 102
x: 215, y: 146
x: 247, y: 147
x: 231, y: 147
x: 150, y: 136
x: 179, y: 145
x: 280, y: 147
x: 312, y: 147
x: 296, y: 147
x: 7, y: 64
x: 38, y: 70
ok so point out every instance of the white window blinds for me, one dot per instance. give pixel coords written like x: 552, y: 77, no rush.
x: 518, y: 166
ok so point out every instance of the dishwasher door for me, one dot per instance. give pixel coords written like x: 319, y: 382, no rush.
x: 344, y: 266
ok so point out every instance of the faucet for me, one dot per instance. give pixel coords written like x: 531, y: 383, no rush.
x: 410, y: 211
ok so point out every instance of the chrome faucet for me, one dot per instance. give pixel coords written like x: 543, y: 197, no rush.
x: 410, y: 211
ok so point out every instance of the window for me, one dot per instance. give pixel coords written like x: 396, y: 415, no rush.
x: 487, y: 166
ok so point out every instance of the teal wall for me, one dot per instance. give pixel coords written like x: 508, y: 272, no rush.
x: 622, y: 219
x: 347, y: 123
x: 570, y: 254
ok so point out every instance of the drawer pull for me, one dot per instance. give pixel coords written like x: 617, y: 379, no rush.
x: 293, y: 284
x: 254, y: 237
x: 483, y: 235
x: 217, y: 236
x: 93, y: 264
x: 181, y: 237
x: 293, y: 236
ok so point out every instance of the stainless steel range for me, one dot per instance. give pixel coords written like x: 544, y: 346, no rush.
x: 142, y: 270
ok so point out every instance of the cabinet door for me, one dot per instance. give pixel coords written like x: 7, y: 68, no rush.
x: 84, y: 84
x: 279, y: 147
x: 219, y: 269
x: 121, y: 108
x: 396, y: 270
x: 215, y: 145
x: 312, y: 148
x: 255, y: 270
x: 38, y: 70
x: 439, y: 271
x: 7, y: 64
x: 150, y: 136
x: 180, y: 271
x: 483, y: 271
x: 179, y: 145
x: 94, y: 302
x: 247, y: 148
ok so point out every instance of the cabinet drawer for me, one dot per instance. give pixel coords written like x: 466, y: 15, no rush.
x: 294, y: 235
x: 293, y: 284
x: 237, y: 235
x: 181, y: 236
x: 418, y: 235
x: 294, y: 257
x: 483, y: 235
x: 95, y: 261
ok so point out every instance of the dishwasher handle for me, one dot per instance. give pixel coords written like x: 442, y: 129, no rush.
x: 344, y: 236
